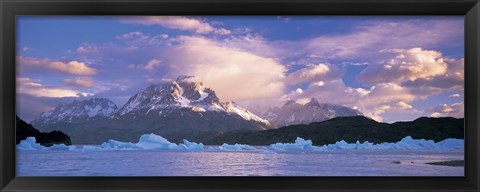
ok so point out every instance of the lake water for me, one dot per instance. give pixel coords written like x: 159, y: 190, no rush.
x: 237, y: 163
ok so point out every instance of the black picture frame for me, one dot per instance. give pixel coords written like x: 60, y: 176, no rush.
x: 11, y: 8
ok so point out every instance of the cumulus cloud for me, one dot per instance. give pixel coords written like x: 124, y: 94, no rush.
x: 177, y: 22
x: 406, y: 64
x: 84, y: 82
x: 234, y: 74
x: 72, y: 67
x: 32, y: 87
x: 372, y: 102
x: 453, y: 79
x: 446, y: 110
x: 315, y: 73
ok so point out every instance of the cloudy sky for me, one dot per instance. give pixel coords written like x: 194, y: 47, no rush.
x: 390, y: 68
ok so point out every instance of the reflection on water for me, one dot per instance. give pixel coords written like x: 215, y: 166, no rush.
x: 237, y: 163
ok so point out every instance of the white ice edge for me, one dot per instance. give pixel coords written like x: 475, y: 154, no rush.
x: 156, y: 142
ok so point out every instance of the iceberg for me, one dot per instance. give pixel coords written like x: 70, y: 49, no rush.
x: 29, y: 144
x: 59, y: 147
x: 236, y: 146
x: 300, y: 144
x: 156, y: 142
x: 151, y: 142
x: 407, y: 143
x: 451, y: 144
x: 228, y: 147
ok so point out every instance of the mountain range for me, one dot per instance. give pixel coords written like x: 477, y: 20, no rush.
x: 176, y: 110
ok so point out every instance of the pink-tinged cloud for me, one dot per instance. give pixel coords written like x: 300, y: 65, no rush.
x: 177, y: 22
x: 31, y: 87
x: 235, y: 75
x: 373, y: 102
x: 445, y: 110
x: 315, y: 73
x: 405, y: 65
x: 84, y: 82
x: 72, y: 67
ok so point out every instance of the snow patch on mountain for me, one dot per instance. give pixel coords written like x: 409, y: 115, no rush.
x: 182, y: 94
x: 78, y: 110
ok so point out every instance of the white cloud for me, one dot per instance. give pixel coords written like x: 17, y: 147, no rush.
x: 445, y: 110
x: 373, y: 102
x: 405, y: 65
x: 35, y: 88
x: 234, y: 74
x: 72, y: 67
x: 315, y: 73
x: 177, y: 22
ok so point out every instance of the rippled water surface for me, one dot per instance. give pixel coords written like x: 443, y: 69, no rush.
x: 237, y: 163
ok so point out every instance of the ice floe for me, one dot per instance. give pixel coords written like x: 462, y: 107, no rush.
x: 300, y: 144
x: 156, y: 142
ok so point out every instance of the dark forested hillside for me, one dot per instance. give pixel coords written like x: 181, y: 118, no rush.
x: 351, y: 129
x: 24, y: 130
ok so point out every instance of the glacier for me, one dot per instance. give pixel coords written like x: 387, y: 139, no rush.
x: 156, y: 142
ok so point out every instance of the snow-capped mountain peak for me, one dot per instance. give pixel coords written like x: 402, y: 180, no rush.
x: 78, y: 110
x: 182, y: 94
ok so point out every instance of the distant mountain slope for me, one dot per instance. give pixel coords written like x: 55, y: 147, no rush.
x: 175, y: 110
x: 351, y: 129
x: 292, y: 113
x: 24, y: 130
x: 76, y: 112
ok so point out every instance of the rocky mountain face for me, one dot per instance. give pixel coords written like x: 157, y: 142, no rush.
x: 176, y: 110
x: 76, y: 112
x: 294, y: 113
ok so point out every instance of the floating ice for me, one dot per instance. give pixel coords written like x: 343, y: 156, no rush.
x: 156, y: 142
x: 300, y: 144
x: 236, y: 147
x: 59, y: 147
x: 29, y: 144
x: 152, y: 142
x: 191, y: 145
x: 407, y: 143
x: 451, y: 144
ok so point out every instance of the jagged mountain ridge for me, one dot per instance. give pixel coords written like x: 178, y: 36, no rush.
x: 176, y: 110
x: 295, y: 113
x: 181, y: 94
x: 77, y: 111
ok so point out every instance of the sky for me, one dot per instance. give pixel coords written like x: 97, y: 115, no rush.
x: 391, y: 68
